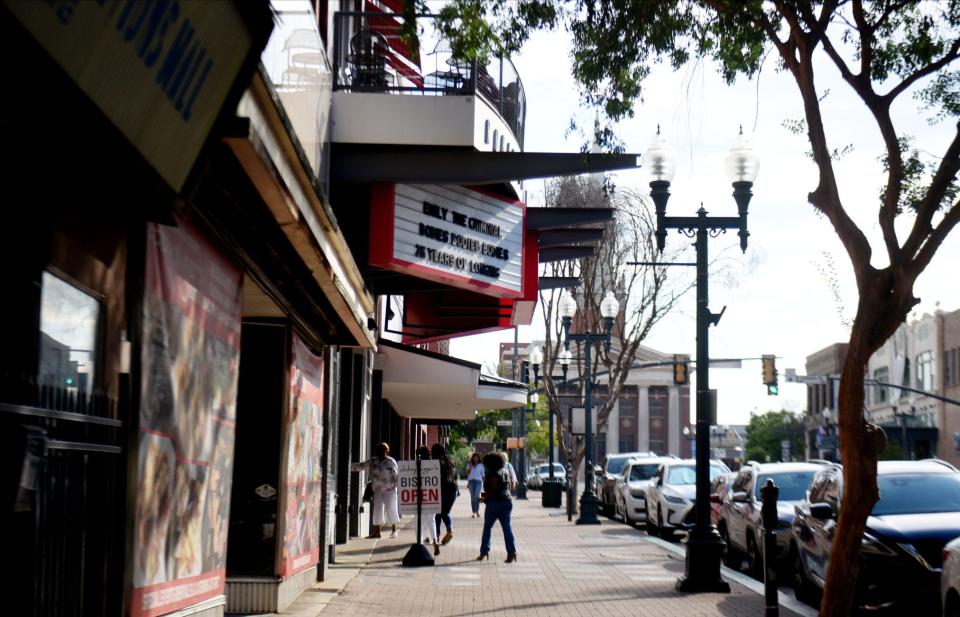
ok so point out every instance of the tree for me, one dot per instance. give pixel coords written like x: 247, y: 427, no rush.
x: 890, y: 54
x: 766, y: 432
x: 645, y: 293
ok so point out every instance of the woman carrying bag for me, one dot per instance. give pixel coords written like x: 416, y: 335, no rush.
x: 496, y: 488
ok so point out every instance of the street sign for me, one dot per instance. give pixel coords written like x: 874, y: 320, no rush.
x: 790, y: 375
x: 579, y: 421
x: 504, y: 422
x: 430, y: 488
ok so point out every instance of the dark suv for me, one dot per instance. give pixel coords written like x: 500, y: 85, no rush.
x: 901, y: 558
x: 739, y: 521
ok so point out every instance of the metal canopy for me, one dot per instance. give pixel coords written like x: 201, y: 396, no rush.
x: 558, y: 282
x: 385, y: 163
x: 540, y: 219
x: 565, y: 252
x: 563, y: 237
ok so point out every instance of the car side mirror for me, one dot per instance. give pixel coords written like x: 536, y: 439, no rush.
x: 741, y: 497
x: 821, y: 511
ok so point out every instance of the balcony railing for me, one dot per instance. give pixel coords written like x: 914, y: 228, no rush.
x: 370, y: 55
x: 296, y: 65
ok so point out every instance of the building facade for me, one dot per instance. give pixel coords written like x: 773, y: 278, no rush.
x: 216, y: 302
x: 649, y: 415
x: 912, y: 357
x: 820, y: 419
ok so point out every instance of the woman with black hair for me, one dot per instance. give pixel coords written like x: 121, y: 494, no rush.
x: 448, y: 490
x: 496, y: 487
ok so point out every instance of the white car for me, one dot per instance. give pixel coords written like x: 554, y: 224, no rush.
x: 630, y: 490
x: 950, y: 579
x: 541, y: 474
x: 670, y: 499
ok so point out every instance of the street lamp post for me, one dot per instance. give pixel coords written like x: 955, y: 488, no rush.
x: 564, y: 359
x: 535, y: 357
x: 692, y: 436
x: 704, y: 546
x: 609, y: 307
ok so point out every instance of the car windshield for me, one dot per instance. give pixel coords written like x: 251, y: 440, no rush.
x: 643, y: 472
x: 687, y: 474
x: 616, y: 465
x: 918, y: 493
x: 557, y: 469
x: 792, y: 485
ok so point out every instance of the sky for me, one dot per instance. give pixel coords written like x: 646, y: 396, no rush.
x: 777, y: 296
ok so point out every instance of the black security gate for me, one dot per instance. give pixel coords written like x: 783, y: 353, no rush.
x: 63, y: 500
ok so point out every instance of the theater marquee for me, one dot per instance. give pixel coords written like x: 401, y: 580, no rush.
x: 463, y: 237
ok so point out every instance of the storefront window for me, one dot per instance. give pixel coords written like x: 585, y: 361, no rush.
x: 68, y: 335
x: 883, y: 376
x: 925, y: 371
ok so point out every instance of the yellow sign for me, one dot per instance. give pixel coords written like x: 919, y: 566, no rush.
x: 160, y: 71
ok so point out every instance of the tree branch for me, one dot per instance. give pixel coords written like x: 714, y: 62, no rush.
x: 946, y: 172
x: 952, y: 54
x: 935, y: 239
x: 825, y: 197
x: 866, y: 40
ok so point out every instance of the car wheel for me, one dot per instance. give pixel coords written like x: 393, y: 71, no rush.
x: 754, y: 557
x: 803, y: 589
x: 731, y: 558
x: 665, y: 532
x: 651, y: 525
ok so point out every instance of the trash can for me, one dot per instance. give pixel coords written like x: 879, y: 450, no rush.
x: 551, y: 495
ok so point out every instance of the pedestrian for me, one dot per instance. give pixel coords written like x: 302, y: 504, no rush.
x: 384, y: 472
x: 448, y: 490
x: 499, y: 506
x: 429, y: 530
x: 513, y: 477
x: 475, y: 482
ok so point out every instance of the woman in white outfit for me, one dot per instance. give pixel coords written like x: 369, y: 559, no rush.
x: 384, y: 472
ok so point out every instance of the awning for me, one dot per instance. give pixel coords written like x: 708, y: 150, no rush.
x: 457, y: 165
x: 428, y: 385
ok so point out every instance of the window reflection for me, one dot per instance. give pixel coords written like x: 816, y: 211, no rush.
x: 68, y: 335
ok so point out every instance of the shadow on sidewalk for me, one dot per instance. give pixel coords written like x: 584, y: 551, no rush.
x: 592, y: 599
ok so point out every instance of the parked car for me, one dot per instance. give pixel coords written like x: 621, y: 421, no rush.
x: 721, y: 488
x: 902, y: 552
x: 542, y: 472
x: 606, y: 478
x: 950, y: 579
x: 739, y: 522
x: 671, y: 497
x: 630, y: 491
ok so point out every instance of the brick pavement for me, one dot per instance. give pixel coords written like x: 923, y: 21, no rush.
x: 564, y: 570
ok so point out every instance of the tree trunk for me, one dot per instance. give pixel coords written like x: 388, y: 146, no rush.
x: 884, y: 303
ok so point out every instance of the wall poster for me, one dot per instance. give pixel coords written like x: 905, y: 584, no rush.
x: 190, y: 360
x: 304, y: 440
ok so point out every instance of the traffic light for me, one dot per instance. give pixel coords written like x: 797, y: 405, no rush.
x: 770, y: 375
x: 681, y: 370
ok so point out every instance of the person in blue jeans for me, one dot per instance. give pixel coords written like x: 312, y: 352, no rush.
x: 496, y: 488
x: 475, y: 482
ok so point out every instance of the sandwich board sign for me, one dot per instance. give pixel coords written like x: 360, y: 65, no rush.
x: 430, y: 487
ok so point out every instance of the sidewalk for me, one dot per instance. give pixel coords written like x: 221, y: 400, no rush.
x: 563, y: 570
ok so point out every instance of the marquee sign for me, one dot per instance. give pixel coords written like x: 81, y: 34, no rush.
x: 460, y: 236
